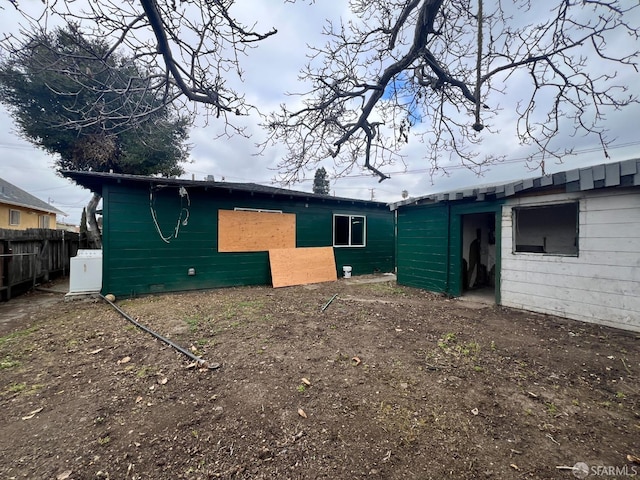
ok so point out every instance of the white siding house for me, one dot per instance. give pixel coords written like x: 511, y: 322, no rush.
x: 565, y: 244
x: 596, y: 281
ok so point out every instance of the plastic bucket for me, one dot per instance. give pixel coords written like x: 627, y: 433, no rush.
x: 347, y: 271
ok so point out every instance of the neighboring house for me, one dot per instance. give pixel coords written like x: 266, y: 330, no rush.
x: 68, y: 227
x: 566, y: 244
x: 20, y: 210
x: 162, y: 235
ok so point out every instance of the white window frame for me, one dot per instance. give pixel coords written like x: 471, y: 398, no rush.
x: 13, y: 214
x: 516, y: 220
x: 350, y: 217
x: 44, y: 221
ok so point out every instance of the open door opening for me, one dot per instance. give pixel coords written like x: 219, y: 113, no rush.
x: 479, y: 256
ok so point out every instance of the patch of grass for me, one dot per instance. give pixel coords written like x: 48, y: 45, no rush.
x: 449, y: 344
x: 383, y: 288
x: 447, y: 340
x: 104, y: 440
x: 469, y: 348
x: 193, y: 322
x: 301, y: 388
x: 245, y: 304
x: 16, y: 387
x: 247, y: 309
x: 620, y: 395
x: 144, y: 372
x: 552, y: 409
x: 402, y: 420
x: 22, y: 388
x: 7, y: 362
x: 14, y: 335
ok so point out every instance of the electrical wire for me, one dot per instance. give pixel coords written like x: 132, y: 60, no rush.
x: 183, y: 211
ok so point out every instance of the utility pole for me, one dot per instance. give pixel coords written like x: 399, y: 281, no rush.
x: 373, y: 193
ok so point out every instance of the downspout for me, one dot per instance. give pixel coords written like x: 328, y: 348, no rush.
x: 200, y: 362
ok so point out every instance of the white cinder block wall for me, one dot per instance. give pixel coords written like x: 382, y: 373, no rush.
x: 602, y: 283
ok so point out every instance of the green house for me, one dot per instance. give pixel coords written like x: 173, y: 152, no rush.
x: 163, y: 235
x: 441, y: 240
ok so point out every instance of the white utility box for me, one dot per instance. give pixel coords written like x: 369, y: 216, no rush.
x: 85, y: 272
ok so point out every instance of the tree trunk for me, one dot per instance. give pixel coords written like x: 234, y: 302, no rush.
x: 93, y: 232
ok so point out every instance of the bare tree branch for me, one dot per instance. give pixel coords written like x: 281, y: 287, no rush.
x: 439, y: 68
x: 191, y: 48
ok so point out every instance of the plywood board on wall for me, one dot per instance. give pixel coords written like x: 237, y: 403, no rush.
x: 300, y: 266
x: 246, y: 231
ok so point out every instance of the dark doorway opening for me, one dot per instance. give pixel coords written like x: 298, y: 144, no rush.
x: 479, y: 255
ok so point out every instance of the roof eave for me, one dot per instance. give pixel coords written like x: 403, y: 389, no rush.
x: 94, y: 181
x: 53, y: 210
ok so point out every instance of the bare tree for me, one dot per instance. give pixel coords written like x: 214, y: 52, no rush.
x: 438, y: 69
x: 435, y: 69
x: 188, y: 49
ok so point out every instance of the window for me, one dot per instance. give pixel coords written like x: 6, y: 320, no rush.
x: 549, y: 229
x: 349, y: 231
x: 43, y: 221
x: 14, y: 217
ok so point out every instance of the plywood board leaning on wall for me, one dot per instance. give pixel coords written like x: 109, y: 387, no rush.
x: 300, y: 266
x: 246, y: 231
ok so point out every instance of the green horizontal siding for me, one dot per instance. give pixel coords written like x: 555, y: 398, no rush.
x: 422, y: 247
x: 137, y: 261
x: 429, y: 244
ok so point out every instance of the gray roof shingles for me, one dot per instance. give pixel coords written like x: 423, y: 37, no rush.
x: 616, y: 174
x: 12, y: 195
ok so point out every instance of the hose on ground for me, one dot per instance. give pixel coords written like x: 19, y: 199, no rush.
x: 202, y: 363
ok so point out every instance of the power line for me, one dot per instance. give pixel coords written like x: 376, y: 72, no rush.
x: 503, y: 162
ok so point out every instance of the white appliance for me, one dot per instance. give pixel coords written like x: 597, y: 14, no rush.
x: 85, y: 272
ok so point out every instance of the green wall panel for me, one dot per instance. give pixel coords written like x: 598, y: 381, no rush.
x: 422, y: 247
x: 429, y: 244
x: 137, y: 261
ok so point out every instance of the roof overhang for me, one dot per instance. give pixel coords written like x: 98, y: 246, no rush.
x: 95, y: 182
x: 609, y: 175
x: 52, y: 210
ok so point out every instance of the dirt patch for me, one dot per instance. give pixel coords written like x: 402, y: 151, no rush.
x: 388, y: 382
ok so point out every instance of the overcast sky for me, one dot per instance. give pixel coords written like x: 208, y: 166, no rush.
x: 271, y: 70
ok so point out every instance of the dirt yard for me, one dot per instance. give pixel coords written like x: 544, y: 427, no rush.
x: 387, y: 383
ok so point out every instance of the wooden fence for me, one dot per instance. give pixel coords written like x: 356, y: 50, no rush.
x: 35, y: 255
